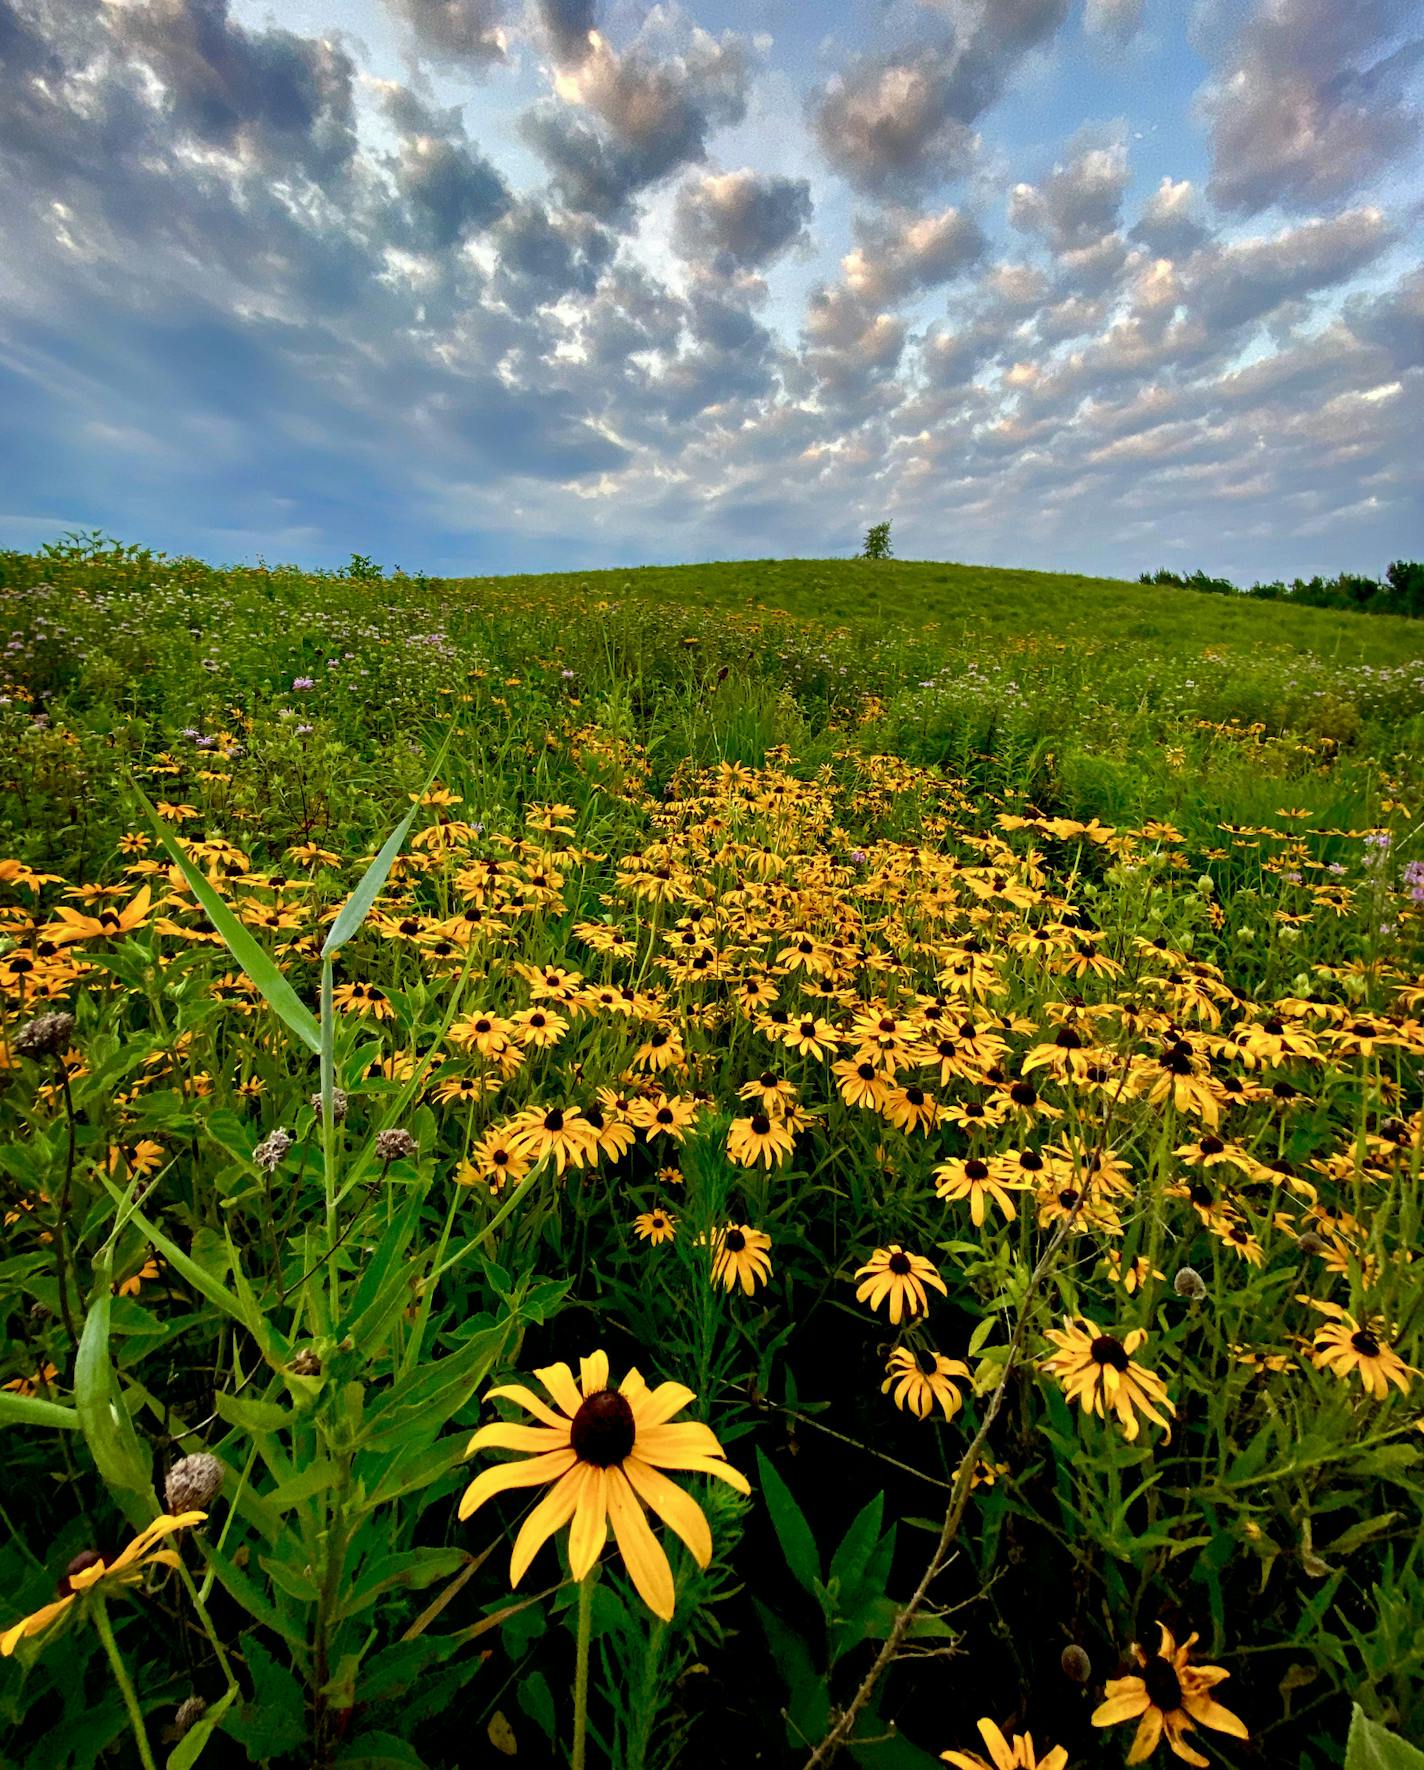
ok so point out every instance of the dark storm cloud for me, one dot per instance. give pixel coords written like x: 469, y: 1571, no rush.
x: 1310, y: 101
x: 734, y: 221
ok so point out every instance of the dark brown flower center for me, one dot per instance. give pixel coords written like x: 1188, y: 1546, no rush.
x: 1365, y: 1343
x: 553, y: 1119
x: 974, y: 1169
x: 86, y: 1558
x: 1108, y: 1350
x: 604, y: 1430
x: 927, y: 1363
x: 761, y: 1124
x: 898, y: 1263
x: 734, y: 1241
x: 1164, y: 1688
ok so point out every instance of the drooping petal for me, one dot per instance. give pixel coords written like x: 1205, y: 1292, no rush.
x: 674, y: 1505
x: 642, y: 1553
x: 589, y: 1531
x: 1175, y: 1725
x: 532, y: 1473
x: 551, y: 1514
x: 32, y: 1625
x: 1210, y: 1713
x: 1149, y: 1731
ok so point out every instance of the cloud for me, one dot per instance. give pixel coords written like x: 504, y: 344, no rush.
x: 651, y: 115
x: 1310, y: 102
x: 469, y: 32
x: 450, y: 190
x: 1078, y: 204
x: 732, y: 221
x: 896, y: 123
x: 1229, y: 286
x: 1170, y: 224
x: 568, y: 25
x: 900, y: 254
x: 1117, y: 20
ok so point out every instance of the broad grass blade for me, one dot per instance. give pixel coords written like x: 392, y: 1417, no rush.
x: 257, y: 964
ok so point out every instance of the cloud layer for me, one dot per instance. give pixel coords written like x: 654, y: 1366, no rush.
x: 546, y: 285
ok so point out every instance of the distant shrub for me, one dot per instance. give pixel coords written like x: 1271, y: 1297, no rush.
x: 1399, y: 592
x: 363, y: 570
x: 877, y: 542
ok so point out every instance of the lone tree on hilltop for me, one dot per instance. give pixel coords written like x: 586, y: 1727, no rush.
x: 877, y: 542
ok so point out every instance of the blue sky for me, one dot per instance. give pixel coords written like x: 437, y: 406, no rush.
x: 486, y: 285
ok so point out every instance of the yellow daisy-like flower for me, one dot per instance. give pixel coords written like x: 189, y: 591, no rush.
x: 976, y: 1181
x: 891, y: 1272
x: 1171, y: 1697
x: 740, y: 1256
x: 921, y: 1381
x: 603, y: 1449
x: 1344, y: 1345
x: 760, y: 1138
x: 89, y: 1571
x: 1017, y: 1753
x: 654, y: 1226
x: 1098, y: 1370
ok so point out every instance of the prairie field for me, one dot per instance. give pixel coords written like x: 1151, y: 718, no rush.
x: 750, y: 1163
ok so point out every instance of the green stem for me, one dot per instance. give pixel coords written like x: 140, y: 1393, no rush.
x: 121, y: 1676
x: 585, y: 1619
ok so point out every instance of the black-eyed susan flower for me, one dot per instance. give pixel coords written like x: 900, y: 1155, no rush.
x: 921, y: 1381
x: 603, y: 1450
x: 977, y: 1182
x: 1344, y: 1345
x: 654, y: 1226
x: 362, y: 999
x: 559, y: 1132
x: 669, y: 1115
x: 890, y: 1273
x: 759, y: 1138
x: 494, y: 1161
x: 1098, y: 1371
x: 1015, y: 1753
x: 741, y: 1256
x: 1171, y: 1697
x: 92, y: 1572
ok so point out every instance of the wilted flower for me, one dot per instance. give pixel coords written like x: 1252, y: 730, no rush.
x: 193, y: 1483
x: 47, y: 1035
x: 393, y: 1145
x: 271, y: 1151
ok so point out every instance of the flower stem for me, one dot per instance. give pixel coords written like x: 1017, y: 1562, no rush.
x: 121, y: 1676
x: 585, y: 1619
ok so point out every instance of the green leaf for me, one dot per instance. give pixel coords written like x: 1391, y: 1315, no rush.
x: 124, y: 1466
x: 380, y: 1751
x: 252, y: 1416
x: 792, y: 1531
x: 537, y: 1701
x: 256, y: 962
x: 34, y: 1410
x: 850, y: 1560
x: 1372, y: 1747
x: 274, y: 1722
x: 188, y: 1750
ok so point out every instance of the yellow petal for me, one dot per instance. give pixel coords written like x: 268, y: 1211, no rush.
x: 1149, y: 1731
x: 677, y: 1508
x: 32, y: 1625
x: 558, y: 1379
x: 527, y: 1398
x: 1122, y: 1704
x: 551, y: 1514
x: 589, y: 1531
x: 1210, y: 1713
x: 509, y: 1435
x: 657, y: 1406
x: 999, y: 1749
x: 532, y: 1473
x: 642, y: 1552
x: 594, y: 1372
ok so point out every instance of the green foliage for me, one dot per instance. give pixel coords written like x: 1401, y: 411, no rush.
x: 876, y: 544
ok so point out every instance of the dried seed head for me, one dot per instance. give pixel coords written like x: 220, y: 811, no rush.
x: 305, y: 1364
x: 1311, y: 1243
x: 338, y: 1105
x: 1076, y: 1664
x: 190, y: 1712
x: 1190, y: 1284
x: 392, y: 1145
x: 193, y: 1483
x: 270, y: 1151
x: 47, y: 1035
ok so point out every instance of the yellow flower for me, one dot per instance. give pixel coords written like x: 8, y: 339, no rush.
x: 976, y: 1181
x: 1344, y: 1345
x: 654, y: 1226
x: 1098, y: 1370
x: 759, y: 1138
x: 603, y: 1450
x: 90, y: 1571
x: 921, y: 1381
x: 1171, y: 1697
x: 740, y: 1256
x: 1004, y: 1754
x: 891, y: 1272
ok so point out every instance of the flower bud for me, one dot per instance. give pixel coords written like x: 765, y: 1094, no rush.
x: 338, y: 1105
x: 1076, y: 1664
x: 47, y: 1035
x: 190, y: 1711
x: 392, y: 1145
x: 193, y: 1483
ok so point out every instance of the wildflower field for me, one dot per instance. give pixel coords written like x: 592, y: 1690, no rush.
x: 769, y: 1164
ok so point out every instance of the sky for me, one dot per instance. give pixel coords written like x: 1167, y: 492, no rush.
x: 476, y: 286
